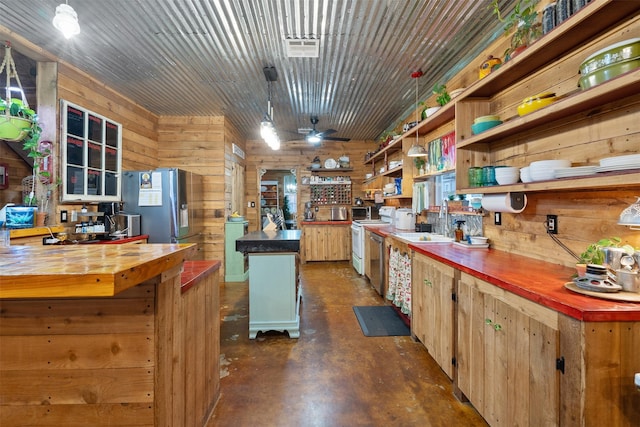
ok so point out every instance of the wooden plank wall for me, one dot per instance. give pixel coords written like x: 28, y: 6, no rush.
x: 197, y: 144
x: 299, y: 155
x: 139, y: 135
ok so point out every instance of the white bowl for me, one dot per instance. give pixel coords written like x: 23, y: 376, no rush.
x: 525, y: 174
x: 507, y: 171
x: 549, y: 164
x: 507, y: 179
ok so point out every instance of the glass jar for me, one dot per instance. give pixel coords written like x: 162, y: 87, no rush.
x: 489, y: 176
x: 475, y: 176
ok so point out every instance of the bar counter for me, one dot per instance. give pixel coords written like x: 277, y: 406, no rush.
x: 108, y: 335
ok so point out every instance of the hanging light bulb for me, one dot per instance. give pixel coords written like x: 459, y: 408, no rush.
x: 267, y: 128
x: 66, y: 20
x: 416, y: 149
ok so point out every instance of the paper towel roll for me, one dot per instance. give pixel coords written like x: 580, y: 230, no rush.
x: 505, y: 202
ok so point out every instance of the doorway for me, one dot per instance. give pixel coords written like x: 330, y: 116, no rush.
x: 278, y: 190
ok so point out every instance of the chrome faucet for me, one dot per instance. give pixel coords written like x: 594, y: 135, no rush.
x: 444, y: 213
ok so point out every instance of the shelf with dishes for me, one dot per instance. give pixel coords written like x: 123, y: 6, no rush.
x: 580, y: 101
x: 590, y: 21
x: 581, y: 125
x: 630, y: 178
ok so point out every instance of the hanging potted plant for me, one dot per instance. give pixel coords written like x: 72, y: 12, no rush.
x: 522, y: 22
x: 17, y: 120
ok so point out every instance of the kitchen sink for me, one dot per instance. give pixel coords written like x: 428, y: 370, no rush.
x: 423, y: 237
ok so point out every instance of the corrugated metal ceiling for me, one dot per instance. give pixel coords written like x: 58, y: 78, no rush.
x: 205, y: 57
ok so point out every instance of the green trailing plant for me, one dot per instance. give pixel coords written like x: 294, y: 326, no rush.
x: 522, y: 23
x: 31, y: 144
x: 442, y: 96
x: 286, y: 213
x: 419, y: 162
x: 594, y: 254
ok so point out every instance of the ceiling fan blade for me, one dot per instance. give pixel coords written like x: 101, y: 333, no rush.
x: 327, y: 132
x: 335, y: 138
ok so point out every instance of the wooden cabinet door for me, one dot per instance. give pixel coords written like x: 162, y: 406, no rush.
x: 337, y: 240
x: 326, y: 242
x: 507, y: 349
x: 432, y: 319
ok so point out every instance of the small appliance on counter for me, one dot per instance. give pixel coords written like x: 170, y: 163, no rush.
x: 405, y: 219
x: 309, y: 215
x: 388, y: 215
x: 338, y: 213
x: 127, y: 224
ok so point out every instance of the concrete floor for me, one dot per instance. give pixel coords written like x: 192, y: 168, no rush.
x: 332, y: 375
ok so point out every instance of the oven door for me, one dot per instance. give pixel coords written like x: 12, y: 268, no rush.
x: 357, y: 239
x: 357, y: 247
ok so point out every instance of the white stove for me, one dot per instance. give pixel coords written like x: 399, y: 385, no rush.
x: 357, y: 236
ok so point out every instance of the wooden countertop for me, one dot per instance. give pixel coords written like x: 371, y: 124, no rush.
x: 84, y: 270
x: 35, y: 231
x: 194, y: 271
x: 535, y: 280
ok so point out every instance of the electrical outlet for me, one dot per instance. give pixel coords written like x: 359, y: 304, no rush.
x: 253, y: 204
x: 74, y: 216
x: 497, y: 218
x: 552, y: 224
x: 63, y: 216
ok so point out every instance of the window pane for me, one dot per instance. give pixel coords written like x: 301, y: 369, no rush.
x: 95, y: 128
x: 75, y: 122
x: 74, y: 151
x: 95, y: 156
x: 75, y: 180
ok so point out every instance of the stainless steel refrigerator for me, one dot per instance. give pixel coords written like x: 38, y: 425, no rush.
x: 169, y: 202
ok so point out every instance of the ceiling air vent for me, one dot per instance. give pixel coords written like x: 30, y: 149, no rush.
x: 303, y: 48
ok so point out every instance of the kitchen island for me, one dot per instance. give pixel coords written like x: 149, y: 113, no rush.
x: 274, y: 290
x: 108, y: 335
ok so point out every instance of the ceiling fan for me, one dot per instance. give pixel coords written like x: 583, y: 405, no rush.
x: 315, y: 137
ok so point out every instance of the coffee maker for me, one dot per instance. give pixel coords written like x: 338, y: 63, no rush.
x: 309, y: 214
x: 111, y: 211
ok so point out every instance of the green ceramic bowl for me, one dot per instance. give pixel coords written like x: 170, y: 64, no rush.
x: 618, y: 52
x: 607, y: 73
x: 477, y: 128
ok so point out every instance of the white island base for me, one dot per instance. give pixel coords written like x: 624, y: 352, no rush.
x: 274, y: 293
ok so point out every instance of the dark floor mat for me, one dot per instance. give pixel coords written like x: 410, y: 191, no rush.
x: 380, y: 321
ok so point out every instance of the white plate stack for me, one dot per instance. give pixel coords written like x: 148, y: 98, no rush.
x: 618, y: 163
x: 575, y: 171
x: 544, y: 170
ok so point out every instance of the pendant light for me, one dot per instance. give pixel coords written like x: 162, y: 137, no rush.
x: 416, y: 149
x: 66, y: 20
x: 267, y: 127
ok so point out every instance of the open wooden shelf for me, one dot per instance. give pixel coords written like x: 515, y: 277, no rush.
x: 584, y: 100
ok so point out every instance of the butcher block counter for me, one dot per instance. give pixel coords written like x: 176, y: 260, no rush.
x: 108, y: 335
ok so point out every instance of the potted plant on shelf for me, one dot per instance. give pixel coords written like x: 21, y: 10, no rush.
x: 420, y: 163
x: 442, y: 96
x: 522, y: 22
